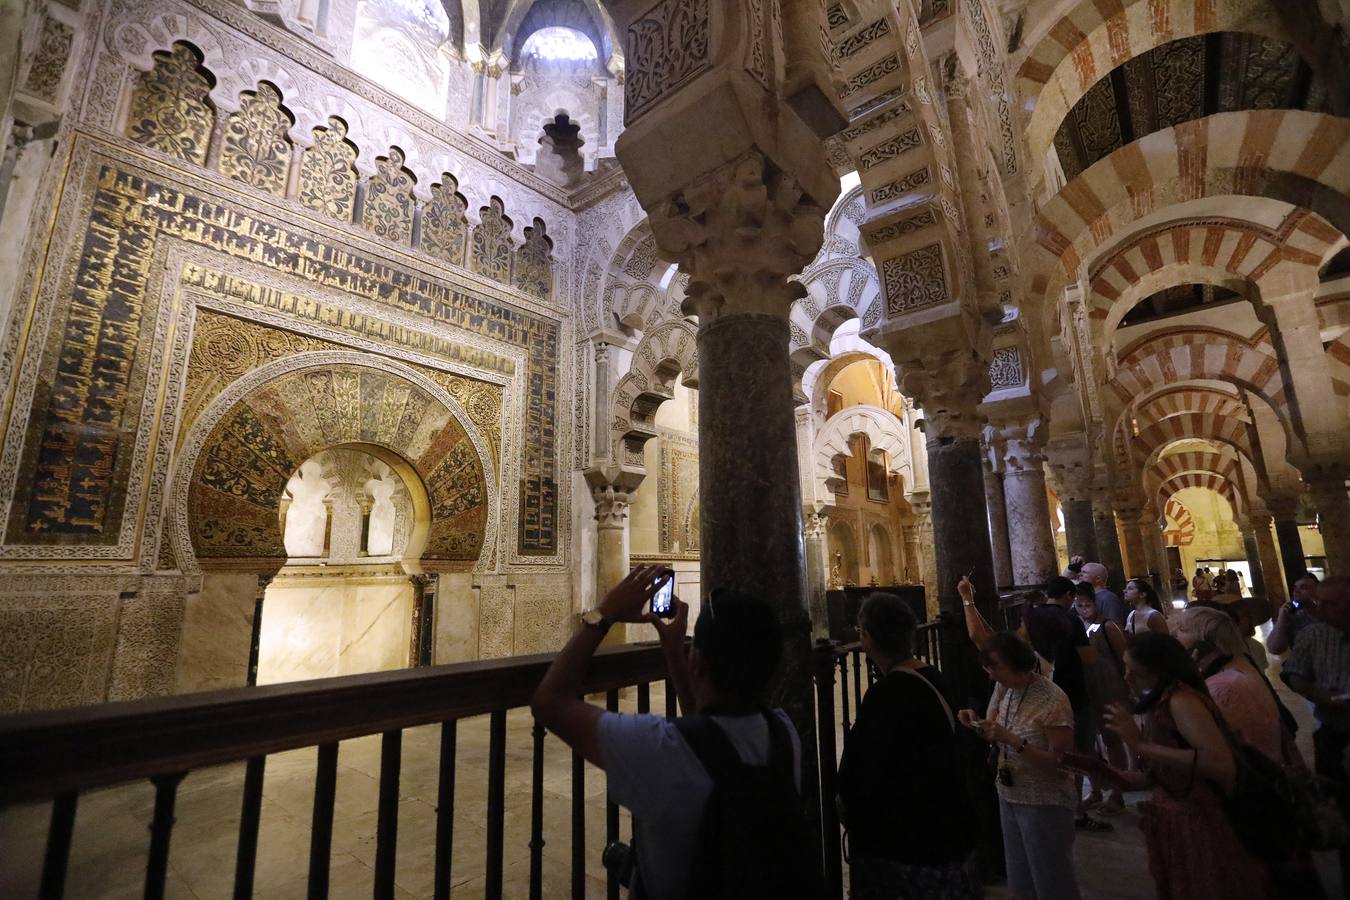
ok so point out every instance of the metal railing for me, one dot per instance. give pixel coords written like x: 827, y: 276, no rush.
x: 59, y: 755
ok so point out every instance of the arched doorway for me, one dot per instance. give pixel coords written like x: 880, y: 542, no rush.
x: 352, y: 525
x: 880, y: 554
x: 406, y: 474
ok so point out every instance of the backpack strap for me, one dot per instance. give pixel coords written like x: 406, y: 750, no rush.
x: 719, y: 756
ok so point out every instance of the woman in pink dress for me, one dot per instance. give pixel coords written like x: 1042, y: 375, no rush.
x: 1186, y: 756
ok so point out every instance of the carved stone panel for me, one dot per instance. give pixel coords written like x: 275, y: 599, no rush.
x: 534, y: 262
x: 255, y: 148
x: 491, y: 248
x: 328, y: 173
x: 445, y: 228
x: 667, y: 46
x: 914, y: 280
x: 388, y: 210
x: 1005, y: 369
x: 169, y: 109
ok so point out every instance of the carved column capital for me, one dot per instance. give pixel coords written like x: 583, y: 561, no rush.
x: 611, y: 506
x: 948, y: 385
x: 1023, y: 445
x: 813, y: 525
x: 739, y: 232
x: 1070, y: 469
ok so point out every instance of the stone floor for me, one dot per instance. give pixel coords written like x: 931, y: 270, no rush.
x: 111, y: 835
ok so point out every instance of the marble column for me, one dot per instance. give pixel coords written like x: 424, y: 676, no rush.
x: 1291, y: 545
x: 927, y: 559
x: 255, y: 639
x: 611, y: 543
x: 1108, y: 542
x: 1327, y: 486
x: 817, y: 572
x: 1253, y: 554
x: 1155, y: 547
x: 1029, y: 535
x: 421, y: 637
x: 998, y: 525
x: 1276, y: 593
x: 1071, y: 478
x: 1135, y: 562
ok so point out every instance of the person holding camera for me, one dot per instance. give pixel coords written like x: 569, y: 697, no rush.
x: 1030, y: 725
x: 715, y: 795
x: 1295, y: 615
x: 908, y: 836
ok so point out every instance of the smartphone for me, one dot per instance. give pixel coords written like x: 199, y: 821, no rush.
x: 662, y: 607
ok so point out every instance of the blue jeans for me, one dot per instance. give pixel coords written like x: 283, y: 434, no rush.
x: 1038, y: 847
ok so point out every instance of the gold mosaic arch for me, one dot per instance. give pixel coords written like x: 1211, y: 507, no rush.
x: 241, y: 470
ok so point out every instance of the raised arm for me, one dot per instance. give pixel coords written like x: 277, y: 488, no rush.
x: 976, y: 626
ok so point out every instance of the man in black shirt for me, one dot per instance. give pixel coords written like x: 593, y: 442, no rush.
x: 1059, y: 636
x: 902, y: 786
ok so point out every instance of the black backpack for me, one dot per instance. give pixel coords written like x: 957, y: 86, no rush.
x: 753, y: 841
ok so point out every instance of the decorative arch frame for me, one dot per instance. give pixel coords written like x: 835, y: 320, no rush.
x: 883, y: 431
x: 668, y: 350
x: 215, y: 412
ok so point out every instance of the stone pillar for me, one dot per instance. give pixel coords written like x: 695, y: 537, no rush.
x: 255, y: 640
x: 1135, y: 562
x: 363, y: 549
x: 817, y: 570
x: 327, y: 527
x: 1285, y: 510
x: 1155, y: 548
x: 420, y: 641
x: 1071, y: 477
x: 1029, y: 535
x: 740, y: 215
x: 611, y: 542
x: 1253, y: 554
x: 1327, y: 486
x: 1276, y: 593
x: 1108, y: 541
x: 998, y: 525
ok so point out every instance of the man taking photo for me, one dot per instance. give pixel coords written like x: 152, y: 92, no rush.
x: 715, y: 795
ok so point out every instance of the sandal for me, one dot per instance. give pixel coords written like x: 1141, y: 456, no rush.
x: 1113, y: 806
x: 1089, y: 824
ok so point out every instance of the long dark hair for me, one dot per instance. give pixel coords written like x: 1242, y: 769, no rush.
x: 1164, y: 657
x: 1143, y: 587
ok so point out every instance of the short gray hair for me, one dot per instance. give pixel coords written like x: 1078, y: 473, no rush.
x: 1213, y: 626
x: 1092, y: 570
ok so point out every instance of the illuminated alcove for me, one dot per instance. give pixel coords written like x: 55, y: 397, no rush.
x: 343, y: 603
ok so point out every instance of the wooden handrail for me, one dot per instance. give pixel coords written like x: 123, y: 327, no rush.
x: 46, y: 754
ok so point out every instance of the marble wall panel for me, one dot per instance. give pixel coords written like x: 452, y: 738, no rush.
x: 376, y: 624
x: 301, y: 631
x: 496, y: 617
x: 217, y: 630
x: 146, y: 656
x: 456, y: 619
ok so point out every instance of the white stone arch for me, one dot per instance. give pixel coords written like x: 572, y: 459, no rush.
x: 668, y: 350
x: 846, y: 352
x: 838, y: 290
x: 246, y: 74
x: 140, y: 33
x: 186, y: 461
x: 882, y: 554
x: 883, y: 431
x: 600, y: 231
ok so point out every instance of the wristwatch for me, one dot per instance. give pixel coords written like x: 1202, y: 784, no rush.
x: 596, y: 619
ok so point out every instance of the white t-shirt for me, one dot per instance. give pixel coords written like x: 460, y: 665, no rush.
x: 657, y: 776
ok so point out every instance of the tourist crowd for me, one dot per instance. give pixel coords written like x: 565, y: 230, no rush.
x: 1095, y: 695
x: 1090, y: 695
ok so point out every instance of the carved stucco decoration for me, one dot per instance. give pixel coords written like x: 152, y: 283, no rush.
x: 388, y: 207
x: 490, y: 249
x: 43, y: 80
x: 666, y: 47
x: 255, y: 148
x: 915, y: 280
x: 328, y: 172
x: 445, y: 228
x: 533, y: 270
x: 169, y: 110
x: 1006, y: 370
x: 256, y: 434
x: 884, y: 432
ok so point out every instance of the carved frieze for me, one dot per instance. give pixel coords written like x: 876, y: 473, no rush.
x: 490, y: 249
x: 445, y: 227
x: 254, y: 147
x: 914, y: 280
x: 328, y: 172
x: 388, y: 208
x: 666, y: 47
x: 169, y: 109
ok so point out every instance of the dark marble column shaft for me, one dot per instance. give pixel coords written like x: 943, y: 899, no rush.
x: 1291, y: 548
x: 750, y: 490
x: 998, y: 527
x: 961, y: 546
x: 816, y: 574
x: 1327, y: 486
x: 1080, y: 531
x: 1258, y: 581
x: 1108, y: 545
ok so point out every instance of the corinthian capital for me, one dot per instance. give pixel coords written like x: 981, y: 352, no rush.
x: 948, y: 385
x: 739, y: 232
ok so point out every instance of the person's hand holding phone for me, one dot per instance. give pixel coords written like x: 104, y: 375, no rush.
x: 672, y: 630
x: 628, y: 600
x: 968, y: 718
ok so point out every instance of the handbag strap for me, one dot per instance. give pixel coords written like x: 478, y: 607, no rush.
x: 946, y: 708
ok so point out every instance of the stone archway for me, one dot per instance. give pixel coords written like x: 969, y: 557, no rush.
x: 244, y: 448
